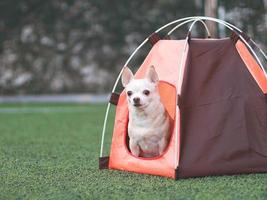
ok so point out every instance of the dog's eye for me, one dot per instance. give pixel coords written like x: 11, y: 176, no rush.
x: 129, y: 93
x: 146, y: 92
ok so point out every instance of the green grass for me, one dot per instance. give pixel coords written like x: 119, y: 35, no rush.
x: 54, y: 155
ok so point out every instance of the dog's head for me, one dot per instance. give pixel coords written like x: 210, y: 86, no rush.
x: 140, y: 92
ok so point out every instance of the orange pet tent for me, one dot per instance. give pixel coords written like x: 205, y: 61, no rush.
x: 215, y: 91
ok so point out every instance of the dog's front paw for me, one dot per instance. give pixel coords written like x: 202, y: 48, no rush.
x: 134, y: 147
x: 135, y: 153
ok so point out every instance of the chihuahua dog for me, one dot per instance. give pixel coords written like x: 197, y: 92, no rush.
x: 148, y: 126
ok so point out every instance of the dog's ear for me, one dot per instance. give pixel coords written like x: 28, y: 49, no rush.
x: 127, y: 76
x: 152, y: 75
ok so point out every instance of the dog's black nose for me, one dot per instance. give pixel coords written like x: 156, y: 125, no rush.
x: 136, y: 100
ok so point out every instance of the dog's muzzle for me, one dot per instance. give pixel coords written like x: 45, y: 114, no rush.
x: 136, y: 101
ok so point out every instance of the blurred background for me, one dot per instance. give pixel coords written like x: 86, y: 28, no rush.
x: 79, y: 46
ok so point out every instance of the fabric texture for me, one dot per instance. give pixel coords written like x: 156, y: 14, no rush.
x: 223, y: 113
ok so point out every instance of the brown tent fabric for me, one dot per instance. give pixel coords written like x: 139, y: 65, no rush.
x: 223, y: 113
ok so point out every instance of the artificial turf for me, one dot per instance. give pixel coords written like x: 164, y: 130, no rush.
x: 51, y: 152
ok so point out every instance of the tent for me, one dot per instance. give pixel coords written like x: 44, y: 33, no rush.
x: 215, y: 91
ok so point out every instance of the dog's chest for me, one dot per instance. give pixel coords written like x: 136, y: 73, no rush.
x: 147, y: 128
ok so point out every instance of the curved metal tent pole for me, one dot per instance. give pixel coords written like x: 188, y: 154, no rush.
x: 187, y: 21
x: 179, y: 25
x: 202, y: 22
x: 228, y: 25
x: 256, y: 45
